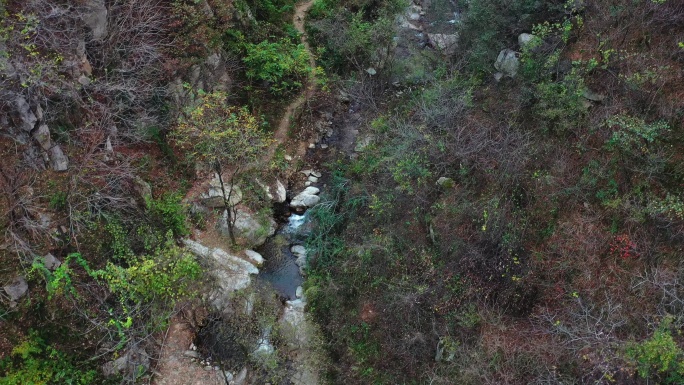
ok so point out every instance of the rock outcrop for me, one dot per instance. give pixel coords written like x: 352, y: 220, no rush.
x: 214, y: 196
x: 230, y: 271
x: 446, y: 43
x: 253, y: 231
x: 26, y: 119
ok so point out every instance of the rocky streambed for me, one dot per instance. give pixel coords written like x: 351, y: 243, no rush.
x: 276, y: 265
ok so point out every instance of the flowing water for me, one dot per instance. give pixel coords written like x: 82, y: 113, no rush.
x: 279, y: 269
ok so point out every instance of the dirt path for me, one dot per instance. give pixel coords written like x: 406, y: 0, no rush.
x: 175, y: 367
x: 280, y: 135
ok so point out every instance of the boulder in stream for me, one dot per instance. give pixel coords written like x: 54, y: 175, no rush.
x: 306, y: 199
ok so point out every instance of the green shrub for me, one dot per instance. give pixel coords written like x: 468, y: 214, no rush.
x: 282, y: 64
x: 633, y: 135
x: 59, y: 281
x: 34, y: 362
x: 410, y: 173
x: 58, y: 200
x: 659, y: 357
x: 560, y: 106
x: 165, y: 276
x: 170, y: 212
x: 486, y: 26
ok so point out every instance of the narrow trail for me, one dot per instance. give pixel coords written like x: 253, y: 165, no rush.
x: 280, y: 135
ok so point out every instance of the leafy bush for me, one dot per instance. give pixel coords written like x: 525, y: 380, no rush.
x: 355, y: 40
x: 170, y: 212
x: 659, y: 357
x: 490, y: 25
x: 283, y: 65
x: 633, y: 135
x: 34, y: 362
x: 165, y: 276
x: 560, y: 105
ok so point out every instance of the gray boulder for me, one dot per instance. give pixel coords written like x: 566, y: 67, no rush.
x: 95, y: 17
x: 254, y: 231
x: 134, y: 362
x: 51, y: 262
x: 16, y: 289
x: 27, y: 119
x: 307, y: 198
x: 446, y: 43
x: 230, y: 272
x: 42, y: 136
x: 59, y: 161
x: 300, y: 252
x: 142, y: 188
x: 276, y: 192
x: 445, y: 182
x: 524, y: 39
x: 254, y: 257
x: 507, y: 63
x: 214, y: 196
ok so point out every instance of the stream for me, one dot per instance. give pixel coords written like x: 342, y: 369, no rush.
x: 280, y: 269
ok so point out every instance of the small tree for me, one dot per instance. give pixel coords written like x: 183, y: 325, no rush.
x: 225, y: 137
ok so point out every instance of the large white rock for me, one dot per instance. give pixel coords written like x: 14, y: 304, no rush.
x: 229, y: 262
x: 276, y: 192
x: 280, y: 192
x: 230, y: 272
x: 298, y: 250
x: 299, y: 335
x: 197, y: 248
x: 524, y: 39
x: 254, y: 257
x: 294, y: 318
x: 307, y: 198
x: 507, y: 63
x: 264, y: 346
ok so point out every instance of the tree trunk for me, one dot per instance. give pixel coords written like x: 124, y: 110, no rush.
x: 226, y: 202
